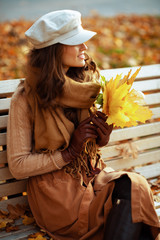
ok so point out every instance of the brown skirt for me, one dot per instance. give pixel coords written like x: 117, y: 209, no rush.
x: 66, y: 209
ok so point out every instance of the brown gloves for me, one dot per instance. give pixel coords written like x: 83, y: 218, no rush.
x: 103, y: 129
x: 98, y: 130
x: 84, y: 131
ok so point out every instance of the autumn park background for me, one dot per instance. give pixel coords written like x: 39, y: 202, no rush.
x: 128, y: 33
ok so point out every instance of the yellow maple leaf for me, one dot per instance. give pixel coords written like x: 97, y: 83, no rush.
x: 122, y: 104
x: 136, y: 96
x: 132, y: 78
x: 125, y: 78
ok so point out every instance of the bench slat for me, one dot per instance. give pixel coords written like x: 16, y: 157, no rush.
x: 157, y: 204
x: 7, y: 87
x: 151, y: 71
x: 137, y: 131
x: 143, y: 158
x: 149, y: 85
x: 3, y: 139
x: 158, y: 212
x: 149, y: 171
x: 3, y: 157
x: 142, y: 144
x: 13, y: 201
x: 146, y: 72
x: 156, y: 112
x: 3, y: 121
x: 8, y: 189
x: 4, y: 104
x: 5, y: 174
x: 120, y: 134
x: 151, y: 99
x: 21, y: 234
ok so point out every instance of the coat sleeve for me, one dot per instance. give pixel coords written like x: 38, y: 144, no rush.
x: 22, y: 162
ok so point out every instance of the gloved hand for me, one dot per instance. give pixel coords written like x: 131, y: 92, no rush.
x: 84, y: 131
x: 103, y: 129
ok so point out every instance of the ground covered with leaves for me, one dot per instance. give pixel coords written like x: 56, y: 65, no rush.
x: 122, y: 41
x: 15, y: 216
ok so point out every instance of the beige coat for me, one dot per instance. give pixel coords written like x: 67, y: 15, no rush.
x: 62, y: 205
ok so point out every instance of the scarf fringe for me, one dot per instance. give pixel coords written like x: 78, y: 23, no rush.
x: 87, y: 161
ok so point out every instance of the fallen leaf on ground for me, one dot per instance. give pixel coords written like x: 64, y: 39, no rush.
x: 27, y: 220
x: 11, y: 228
x: 37, y: 236
x: 4, y: 222
x: 16, y: 212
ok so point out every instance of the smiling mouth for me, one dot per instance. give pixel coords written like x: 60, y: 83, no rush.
x: 82, y: 56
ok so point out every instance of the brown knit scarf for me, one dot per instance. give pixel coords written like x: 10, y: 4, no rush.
x: 52, y: 129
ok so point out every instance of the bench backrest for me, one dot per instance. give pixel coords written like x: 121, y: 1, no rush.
x: 11, y: 191
x: 145, y: 136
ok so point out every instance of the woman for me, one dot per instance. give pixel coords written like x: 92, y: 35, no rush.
x: 54, y: 133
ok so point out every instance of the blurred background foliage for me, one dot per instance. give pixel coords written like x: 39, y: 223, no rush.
x: 121, y: 41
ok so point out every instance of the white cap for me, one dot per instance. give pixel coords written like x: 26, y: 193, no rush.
x: 62, y: 26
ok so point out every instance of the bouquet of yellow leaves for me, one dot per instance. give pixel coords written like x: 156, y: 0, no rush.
x: 123, y: 105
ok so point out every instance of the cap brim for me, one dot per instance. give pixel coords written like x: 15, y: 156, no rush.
x: 79, y: 38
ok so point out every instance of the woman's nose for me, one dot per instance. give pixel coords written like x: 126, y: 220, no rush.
x: 84, y: 46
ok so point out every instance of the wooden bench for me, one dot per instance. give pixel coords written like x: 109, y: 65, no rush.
x: 142, y: 140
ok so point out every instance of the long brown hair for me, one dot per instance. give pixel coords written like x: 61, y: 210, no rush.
x: 52, y: 78
x: 50, y: 85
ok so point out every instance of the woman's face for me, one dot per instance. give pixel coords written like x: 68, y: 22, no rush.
x: 73, y: 56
